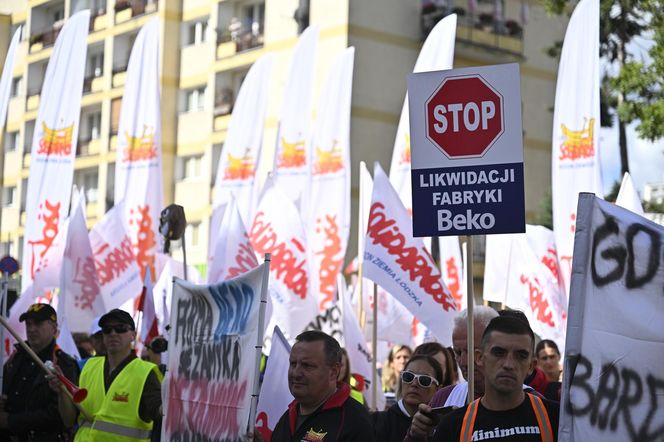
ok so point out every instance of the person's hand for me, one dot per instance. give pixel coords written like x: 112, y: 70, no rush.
x: 53, y: 380
x: 256, y: 436
x: 421, y: 425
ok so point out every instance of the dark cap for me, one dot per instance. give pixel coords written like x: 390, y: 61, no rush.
x: 119, y: 316
x: 39, y: 312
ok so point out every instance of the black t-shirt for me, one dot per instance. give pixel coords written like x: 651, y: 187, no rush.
x: 516, y: 425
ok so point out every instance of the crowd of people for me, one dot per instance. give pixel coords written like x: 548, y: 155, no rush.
x: 516, y: 386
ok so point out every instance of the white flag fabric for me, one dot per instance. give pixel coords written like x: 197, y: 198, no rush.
x: 149, y: 320
x: 47, y: 276
x: 575, y: 162
x: 359, y: 354
x: 451, y: 264
x: 613, y: 376
x: 400, y: 263
x: 8, y: 75
x: 437, y: 54
x: 162, y: 293
x: 65, y: 340
x: 291, y: 156
x: 628, y: 197
x: 233, y: 253
x: 54, y: 144
x: 275, y: 396
x: 138, y: 174
x: 211, y: 358
x: 117, y: 270
x: 329, y: 219
x: 80, y: 291
x: 236, y: 171
x: 278, y: 229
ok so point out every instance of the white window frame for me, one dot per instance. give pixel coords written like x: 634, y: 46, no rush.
x: 197, y: 32
x: 12, y: 141
x: 195, y: 99
x: 94, y: 125
x: 9, y: 196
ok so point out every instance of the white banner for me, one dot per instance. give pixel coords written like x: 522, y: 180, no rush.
x: 400, y: 263
x: 54, y: 144
x: 275, y: 396
x: 613, y: 375
x: 233, y: 253
x: 575, y: 162
x: 628, y: 197
x: 329, y: 219
x: 8, y: 76
x: 277, y: 229
x: 79, y: 287
x: 237, y: 166
x: 211, y: 358
x: 291, y: 156
x: 437, y: 54
x: 359, y: 354
x: 451, y: 264
x: 117, y: 270
x: 138, y: 174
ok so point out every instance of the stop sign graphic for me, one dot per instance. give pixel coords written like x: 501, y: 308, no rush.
x: 464, y: 117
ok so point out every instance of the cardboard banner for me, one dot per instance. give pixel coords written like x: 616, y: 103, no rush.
x: 118, y: 273
x: 575, y: 164
x: 328, y: 221
x: 274, y: 396
x: 291, y: 156
x: 211, y: 358
x: 613, y: 378
x: 400, y: 263
x: 138, y: 172
x: 54, y: 145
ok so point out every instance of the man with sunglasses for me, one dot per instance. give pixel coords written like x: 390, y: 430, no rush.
x: 124, y: 392
x: 29, y: 409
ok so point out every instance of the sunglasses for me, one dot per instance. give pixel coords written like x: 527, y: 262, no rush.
x: 116, y: 328
x: 424, y: 380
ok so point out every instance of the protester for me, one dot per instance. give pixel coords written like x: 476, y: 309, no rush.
x: 29, y: 409
x: 396, y: 361
x: 124, y: 392
x: 548, y: 359
x: 420, y: 379
x: 322, y: 407
x: 346, y: 376
x: 505, y: 357
x: 444, y: 358
x: 455, y: 395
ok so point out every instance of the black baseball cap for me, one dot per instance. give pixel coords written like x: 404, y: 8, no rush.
x: 39, y: 312
x: 119, y: 316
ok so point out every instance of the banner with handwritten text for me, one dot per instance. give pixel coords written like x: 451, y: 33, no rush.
x: 211, y: 358
x: 613, y: 375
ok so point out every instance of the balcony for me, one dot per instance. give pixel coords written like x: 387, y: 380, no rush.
x: 32, y: 103
x: 46, y: 37
x: 120, y: 75
x: 230, y: 43
x: 87, y: 146
x: 93, y: 83
x: 98, y: 20
x: 128, y: 9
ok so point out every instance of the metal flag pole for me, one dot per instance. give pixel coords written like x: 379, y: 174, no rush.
x: 259, y: 342
x: 468, y: 257
x: 374, y: 350
x: 361, y: 315
x: 3, y: 312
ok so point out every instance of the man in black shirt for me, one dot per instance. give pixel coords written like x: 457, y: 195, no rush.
x: 505, y: 412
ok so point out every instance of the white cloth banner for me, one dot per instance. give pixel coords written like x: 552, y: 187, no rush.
x: 451, y: 264
x: 400, y: 263
x: 211, y: 358
x: 233, y: 253
x: 275, y: 396
x: 117, y: 270
x: 8, y: 75
x: 79, y: 287
x: 628, y: 197
x: 437, y: 54
x: 291, y: 156
x: 237, y: 166
x: 277, y: 229
x: 328, y: 222
x: 613, y: 375
x: 355, y: 344
x: 54, y: 144
x: 138, y: 174
x: 575, y: 163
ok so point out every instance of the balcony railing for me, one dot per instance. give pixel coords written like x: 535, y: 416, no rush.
x: 138, y: 7
x: 45, y: 38
x: 223, y: 102
x: 244, y: 40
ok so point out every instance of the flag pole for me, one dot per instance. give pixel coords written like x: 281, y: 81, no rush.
x: 3, y: 313
x: 374, y: 349
x: 259, y: 343
x: 360, y: 250
x: 468, y: 256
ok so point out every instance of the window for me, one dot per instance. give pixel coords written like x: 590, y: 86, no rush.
x: 16, y: 86
x: 96, y: 65
x: 6, y: 248
x: 197, y: 32
x: 196, y: 100
x: 8, y: 196
x: 94, y: 125
x: 88, y: 181
x: 192, y: 235
x: 252, y: 18
x: 192, y: 166
x: 11, y: 141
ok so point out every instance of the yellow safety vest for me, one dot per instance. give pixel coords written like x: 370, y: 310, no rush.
x: 115, y: 412
x: 541, y: 414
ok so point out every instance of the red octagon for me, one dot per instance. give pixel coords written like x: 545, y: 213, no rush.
x: 464, y: 117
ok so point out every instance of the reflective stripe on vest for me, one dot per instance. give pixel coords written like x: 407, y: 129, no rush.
x: 117, y: 429
x: 537, y: 405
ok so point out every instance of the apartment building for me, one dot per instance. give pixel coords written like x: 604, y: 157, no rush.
x: 207, y: 49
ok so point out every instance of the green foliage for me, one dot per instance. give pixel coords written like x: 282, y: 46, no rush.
x: 653, y: 207
x: 544, y: 216
x: 613, y: 193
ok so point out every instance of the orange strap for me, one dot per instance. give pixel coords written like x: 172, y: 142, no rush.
x: 538, y: 408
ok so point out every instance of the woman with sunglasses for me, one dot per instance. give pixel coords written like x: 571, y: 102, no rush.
x: 419, y: 380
